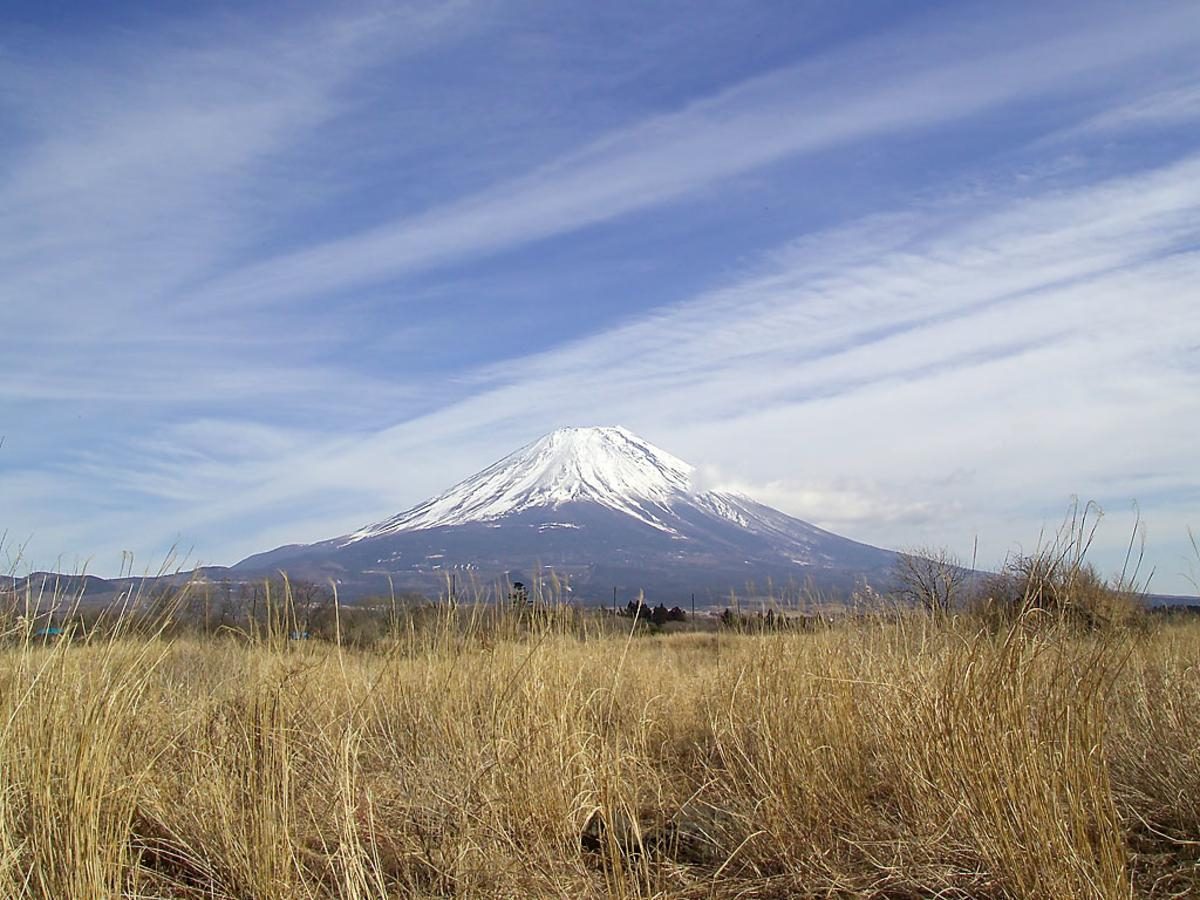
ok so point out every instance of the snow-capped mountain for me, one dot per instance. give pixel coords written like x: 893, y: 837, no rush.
x: 600, y: 505
x: 611, y: 467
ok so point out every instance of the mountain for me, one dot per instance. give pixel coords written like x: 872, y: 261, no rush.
x: 600, y: 505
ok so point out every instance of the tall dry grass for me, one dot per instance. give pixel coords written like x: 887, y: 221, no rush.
x: 499, y: 756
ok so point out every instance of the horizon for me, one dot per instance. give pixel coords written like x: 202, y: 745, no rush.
x: 918, y: 274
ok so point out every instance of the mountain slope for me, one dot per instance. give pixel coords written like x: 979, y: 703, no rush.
x: 598, y: 504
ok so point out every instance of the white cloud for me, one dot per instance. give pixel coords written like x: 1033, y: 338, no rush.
x: 138, y: 172
x: 797, y: 110
x: 1169, y: 107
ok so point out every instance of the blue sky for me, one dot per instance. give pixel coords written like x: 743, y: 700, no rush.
x: 918, y: 273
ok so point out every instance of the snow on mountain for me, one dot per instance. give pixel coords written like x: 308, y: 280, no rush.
x: 608, y: 466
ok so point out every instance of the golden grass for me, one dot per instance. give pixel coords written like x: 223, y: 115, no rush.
x: 917, y: 757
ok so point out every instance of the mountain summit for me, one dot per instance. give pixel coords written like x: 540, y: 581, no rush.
x: 610, y: 466
x: 598, y: 504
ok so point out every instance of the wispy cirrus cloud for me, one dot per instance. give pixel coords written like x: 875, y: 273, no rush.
x: 1169, y: 107
x: 139, y: 172
x: 802, y: 109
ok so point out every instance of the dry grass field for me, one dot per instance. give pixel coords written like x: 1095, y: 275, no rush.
x: 903, y: 756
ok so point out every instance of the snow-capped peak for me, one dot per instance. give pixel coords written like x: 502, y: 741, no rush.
x: 610, y: 466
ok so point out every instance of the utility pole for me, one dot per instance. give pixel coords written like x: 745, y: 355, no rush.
x: 693, y: 604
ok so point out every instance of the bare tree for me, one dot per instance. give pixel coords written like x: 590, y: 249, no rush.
x: 930, y: 577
